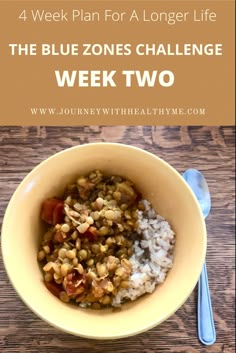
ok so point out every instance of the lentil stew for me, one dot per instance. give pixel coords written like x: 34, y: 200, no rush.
x: 85, y: 251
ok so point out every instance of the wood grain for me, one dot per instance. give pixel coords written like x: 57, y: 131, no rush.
x: 209, y: 149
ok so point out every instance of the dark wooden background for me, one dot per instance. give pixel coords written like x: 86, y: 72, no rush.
x: 209, y: 149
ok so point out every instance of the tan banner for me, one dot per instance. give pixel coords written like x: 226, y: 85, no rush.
x: 117, y: 62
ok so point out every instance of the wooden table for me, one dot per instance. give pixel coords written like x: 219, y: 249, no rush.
x: 209, y: 149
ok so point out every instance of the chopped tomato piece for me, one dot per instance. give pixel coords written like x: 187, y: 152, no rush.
x: 52, y: 211
x: 91, y: 233
x: 54, y: 288
x: 60, y: 237
x: 74, y: 284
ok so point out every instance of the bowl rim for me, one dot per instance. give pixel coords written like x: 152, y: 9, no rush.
x: 24, y: 182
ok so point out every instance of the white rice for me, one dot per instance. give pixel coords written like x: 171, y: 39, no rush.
x: 152, y: 257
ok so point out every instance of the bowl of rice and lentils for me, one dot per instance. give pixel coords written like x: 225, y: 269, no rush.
x: 109, y: 239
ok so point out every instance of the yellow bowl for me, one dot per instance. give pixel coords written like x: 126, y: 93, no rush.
x: 159, y: 183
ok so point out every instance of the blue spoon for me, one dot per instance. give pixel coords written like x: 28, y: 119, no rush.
x: 206, y: 327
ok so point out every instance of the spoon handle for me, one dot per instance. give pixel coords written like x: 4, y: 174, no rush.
x: 206, y: 327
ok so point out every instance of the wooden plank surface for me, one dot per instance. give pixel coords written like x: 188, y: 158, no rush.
x: 209, y: 149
